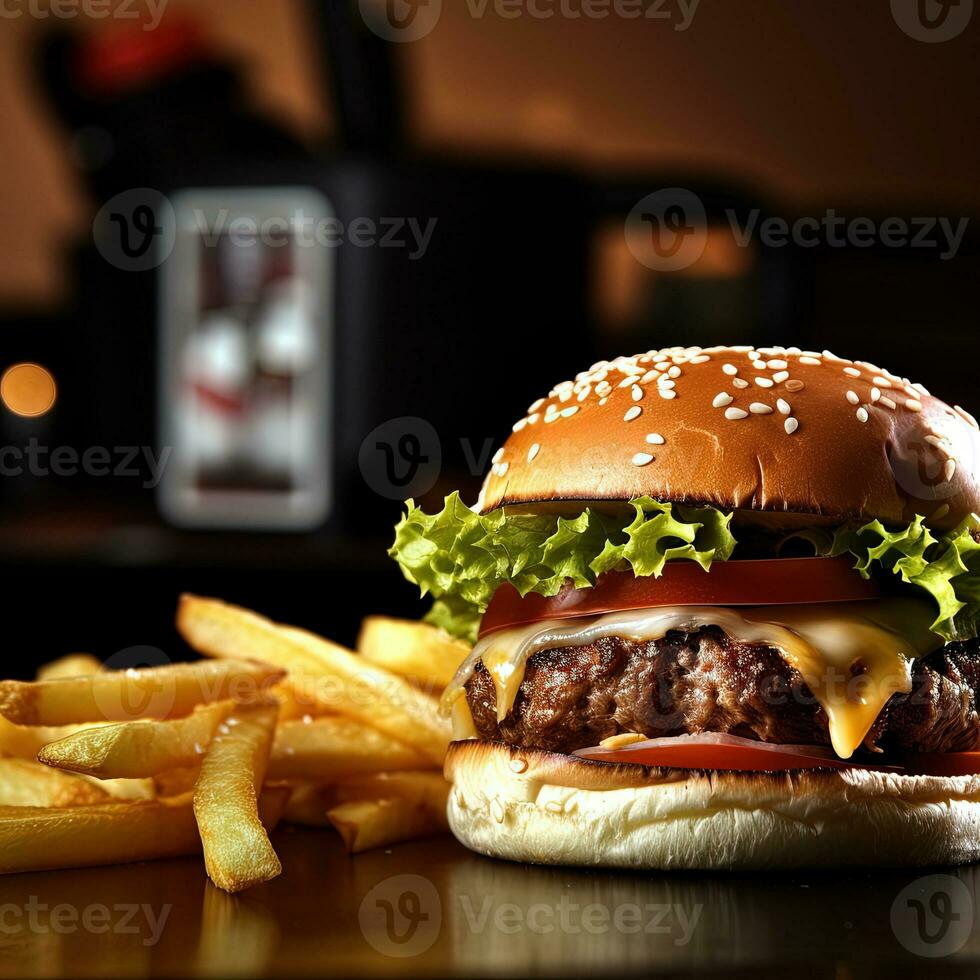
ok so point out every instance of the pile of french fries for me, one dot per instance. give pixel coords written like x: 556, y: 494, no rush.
x: 104, y: 767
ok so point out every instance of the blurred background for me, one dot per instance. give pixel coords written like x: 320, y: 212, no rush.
x: 271, y: 267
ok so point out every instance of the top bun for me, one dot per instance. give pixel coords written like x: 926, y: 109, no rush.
x: 763, y: 429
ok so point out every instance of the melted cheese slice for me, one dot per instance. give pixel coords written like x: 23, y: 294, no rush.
x: 853, y: 656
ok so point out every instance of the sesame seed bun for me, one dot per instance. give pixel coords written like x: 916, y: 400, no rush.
x: 773, y: 429
x: 526, y: 805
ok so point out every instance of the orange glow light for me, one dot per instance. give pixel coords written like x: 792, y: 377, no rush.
x: 28, y: 390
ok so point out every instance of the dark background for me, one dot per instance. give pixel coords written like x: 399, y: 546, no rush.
x: 529, y: 141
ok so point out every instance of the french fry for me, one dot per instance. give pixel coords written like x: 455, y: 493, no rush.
x: 138, y: 749
x: 25, y: 783
x: 328, y: 749
x: 350, y: 685
x: 25, y: 741
x: 366, y: 824
x: 124, y: 789
x: 176, y: 782
x: 237, y: 850
x: 308, y: 804
x: 45, y: 838
x: 151, y: 692
x: 72, y: 665
x: 429, y: 789
x: 418, y: 651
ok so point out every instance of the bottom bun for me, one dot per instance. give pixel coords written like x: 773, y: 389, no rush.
x: 546, y: 808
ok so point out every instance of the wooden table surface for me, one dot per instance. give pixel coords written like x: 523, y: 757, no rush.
x: 431, y: 908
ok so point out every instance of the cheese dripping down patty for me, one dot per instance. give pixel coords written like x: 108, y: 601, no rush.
x: 853, y: 656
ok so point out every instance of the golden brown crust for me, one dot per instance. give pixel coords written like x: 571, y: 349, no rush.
x: 769, y: 430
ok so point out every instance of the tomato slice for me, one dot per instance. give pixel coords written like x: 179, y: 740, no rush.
x: 756, y: 582
x: 730, y: 752
x: 942, y: 763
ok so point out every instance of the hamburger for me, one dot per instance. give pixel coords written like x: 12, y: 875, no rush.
x: 724, y: 606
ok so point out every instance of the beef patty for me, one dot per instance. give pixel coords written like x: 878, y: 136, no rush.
x: 705, y: 681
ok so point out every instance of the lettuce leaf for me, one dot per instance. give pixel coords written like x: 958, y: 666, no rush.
x: 947, y: 568
x: 460, y: 557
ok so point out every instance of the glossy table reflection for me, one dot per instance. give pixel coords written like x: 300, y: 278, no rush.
x: 431, y: 908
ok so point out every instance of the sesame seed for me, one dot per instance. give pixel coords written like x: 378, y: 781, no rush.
x: 584, y: 393
x: 887, y: 402
x: 783, y: 406
x: 569, y: 412
x: 862, y: 414
x: 764, y: 382
x: 853, y: 372
x: 740, y: 382
x: 533, y: 418
x: 921, y: 389
x: 913, y: 404
x: 536, y: 405
x: 626, y: 382
x: 641, y: 459
x: 759, y: 365
x: 940, y: 512
x: 502, y: 469
x: 780, y: 376
x: 722, y: 399
x: 700, y: 359
x: 875, y: 395
x: 532, y: 452
x: 637, y: 393
x: 815, y: 354
x: 881, y: 382
x: 807, y: 359
x: 790, y: 425
x: 949, y: 469
x: 498, y: 455
x: 518, y: 425
x: 795, y: 385
x: 602, y: 401
x: 733, y: 414
x: 632, y: 413
x: 758, y: 408
x: 666, y: 383
x: 674, y: 372
x: 934, y: 440
x: 966, y: 416
x: 548, y: 419
x: 778, y: 365
x: 729, y: 369
x: 650, y: 376
x: 667, y: 393
x: 854, y: 398
x: 655, y: 439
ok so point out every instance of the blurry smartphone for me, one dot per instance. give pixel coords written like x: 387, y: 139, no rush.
x: 246, y: 326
